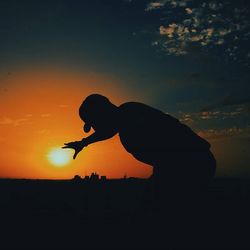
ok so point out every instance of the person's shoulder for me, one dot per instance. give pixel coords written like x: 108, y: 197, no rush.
x: 141, y: 109
x: 131, y: 105
x: 137, y: 108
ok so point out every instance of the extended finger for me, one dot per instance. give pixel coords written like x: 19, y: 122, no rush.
x: 75, y: 154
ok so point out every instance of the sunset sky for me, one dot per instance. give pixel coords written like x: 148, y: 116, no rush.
x: 188, y: 58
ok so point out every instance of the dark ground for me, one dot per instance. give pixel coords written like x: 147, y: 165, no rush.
x: 122, y: 214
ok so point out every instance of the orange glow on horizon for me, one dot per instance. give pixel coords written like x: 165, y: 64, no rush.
x: 39, y: 111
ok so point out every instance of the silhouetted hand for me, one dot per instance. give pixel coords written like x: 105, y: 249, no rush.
x: 76, y: 145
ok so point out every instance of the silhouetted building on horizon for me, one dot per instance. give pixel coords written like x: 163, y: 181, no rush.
x: 103, y: 178
x: 77, y: 178
x: 93, y: 177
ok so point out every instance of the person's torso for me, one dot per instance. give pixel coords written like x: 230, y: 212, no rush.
x: 149, y: 134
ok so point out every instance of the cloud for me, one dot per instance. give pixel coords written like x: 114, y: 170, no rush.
x: 13, y: 122
x: 169, y: 31
x: 45, y: 115
x: 196, y: 116
x: 208, y: 115
x: 213, y: 26
x: 6, y: 121
x: 155, y: 5
x: 219, y: 134
x: 212, y: 115
x: 189, y: 11
x: 186, y: 118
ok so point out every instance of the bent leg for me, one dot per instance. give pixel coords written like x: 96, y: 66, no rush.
x: 183, y: 173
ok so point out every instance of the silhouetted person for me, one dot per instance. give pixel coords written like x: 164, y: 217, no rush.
x: 179, y: 156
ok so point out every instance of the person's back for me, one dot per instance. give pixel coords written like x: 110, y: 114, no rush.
x: 160, y: 140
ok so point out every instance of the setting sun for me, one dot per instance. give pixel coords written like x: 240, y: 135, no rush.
x: 41, y: 111
x: 59, y: 157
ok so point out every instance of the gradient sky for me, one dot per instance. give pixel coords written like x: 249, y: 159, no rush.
x: 188, y: 58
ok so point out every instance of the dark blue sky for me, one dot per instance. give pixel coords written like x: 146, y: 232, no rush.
x: 189, y: 58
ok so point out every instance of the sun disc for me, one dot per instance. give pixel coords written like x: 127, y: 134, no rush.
x: 59, y: 157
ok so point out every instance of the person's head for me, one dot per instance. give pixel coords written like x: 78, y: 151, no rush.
x: 97, y: 112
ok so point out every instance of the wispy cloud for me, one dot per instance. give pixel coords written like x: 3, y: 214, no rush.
x: 217, y: 114
x: 197, y: 116
x: 219, y: 134
x: 186, y: 118
x: 161, y: 3
x: 46, y: 115
x: 13, y: 122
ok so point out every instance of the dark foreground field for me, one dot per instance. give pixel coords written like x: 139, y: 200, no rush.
x: 122, y: 214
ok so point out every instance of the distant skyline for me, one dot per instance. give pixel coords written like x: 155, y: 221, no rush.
x: 188, y: 58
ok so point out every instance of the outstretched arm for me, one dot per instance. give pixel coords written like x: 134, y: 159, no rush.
x: 95, y: 137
